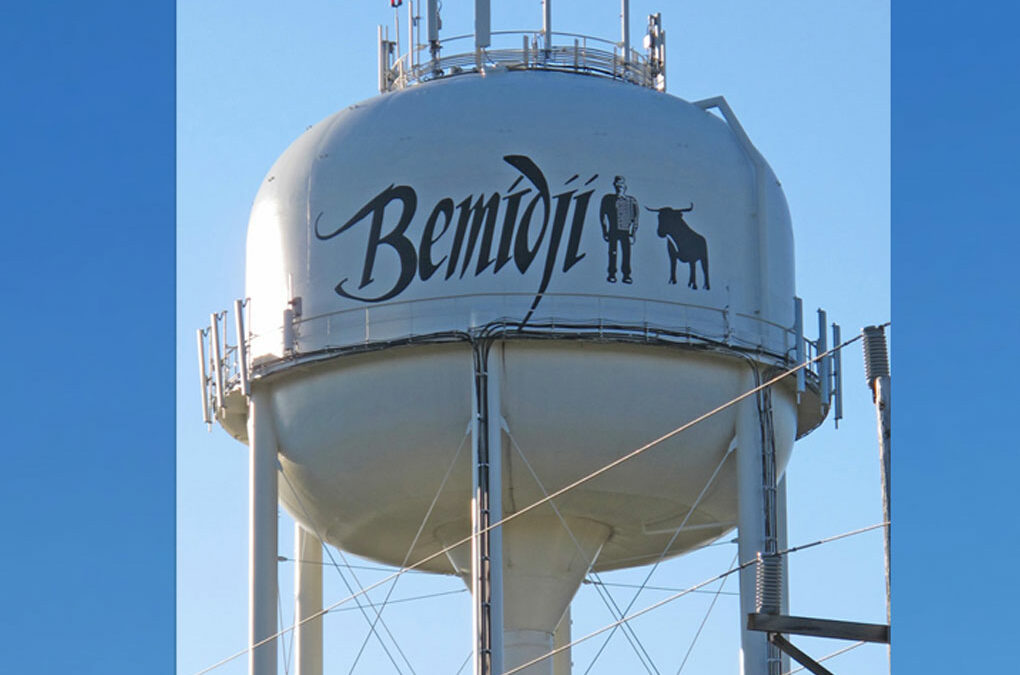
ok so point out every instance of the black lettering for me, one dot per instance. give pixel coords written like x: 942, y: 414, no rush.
x: 394, y: 239
x: 559, y: 220
x: 559, y: 223
x: 523, y: 253
x: 485, y: 251
x: 571, y: 257
x: 426, y: 268
x: 458, y: 237
x: 521, y: 236
x: 506, y: 237
x: 489, y: 211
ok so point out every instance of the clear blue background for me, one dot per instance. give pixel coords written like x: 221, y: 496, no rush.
x: 86, y: 274
x: 956, y: 99
x: 87, y: 277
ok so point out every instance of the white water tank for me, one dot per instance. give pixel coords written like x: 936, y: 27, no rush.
x: 632, y: 258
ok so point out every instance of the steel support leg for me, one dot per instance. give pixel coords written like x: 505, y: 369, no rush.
x: 783, y: 544
x: 263, y: 500
x: 487, y: 494
x: 751, y: 528
x: 307, y: 602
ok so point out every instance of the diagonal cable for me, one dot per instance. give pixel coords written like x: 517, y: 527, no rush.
x: 466, y: 661
x: 372, y: 624
x: 371, y: 568
x: 662, y: 556
x: 411, y: 598
x: 343, y: 577
x: 614, y: 609
x: 414, y: 542
x: 669, y: 589
x: 628, y: 630
x: 687, y: 591
x: 697, y: 634
x: 630, y: 617
x: 283, y: 640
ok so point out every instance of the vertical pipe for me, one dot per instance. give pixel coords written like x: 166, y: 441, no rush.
x: 477, y: 587
x: 837, y: 373
x: 823, y: 364
x: 798, y: 349
x: 547, y: 24
x: 217, y: 358
x: 411, y: 46
x: 783, y: 542
x: 396, y: 37
x: 203, y: 378
x: 307, y: 602
x: 662, y: 61
x: 750, y: 528
x: 486, y: 545
x: 625, y: 29
x: 494, y: 414
x: 263, y: 498
x: 383, y: 65
x: 483, y: 24
x: 876, y: 366
x: 242, y: 346
x: 432, y: 20
x: 432, y: 11
x: 480, y: 587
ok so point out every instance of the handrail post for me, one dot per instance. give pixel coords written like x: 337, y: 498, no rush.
x: 547, y: 25
x: 483, y: 29
x: 625, y: 30
x: 242, y: 346
x: 432, y: 10
x: 203, y: 378
x: 217, y: 356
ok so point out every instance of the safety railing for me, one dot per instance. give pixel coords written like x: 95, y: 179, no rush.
x: 521, y: 50
x: 589, y: 313
x: 223, y: 367
x: 226, y: 368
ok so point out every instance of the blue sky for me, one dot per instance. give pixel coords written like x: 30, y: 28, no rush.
x: 811, y: 87
x: 89, y: 184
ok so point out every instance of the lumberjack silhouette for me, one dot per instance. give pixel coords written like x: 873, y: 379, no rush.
x: 619, y: 217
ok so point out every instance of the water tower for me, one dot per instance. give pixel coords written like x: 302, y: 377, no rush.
x: 524, y: 236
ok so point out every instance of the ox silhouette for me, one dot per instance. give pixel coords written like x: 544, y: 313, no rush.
x: 682, y: 243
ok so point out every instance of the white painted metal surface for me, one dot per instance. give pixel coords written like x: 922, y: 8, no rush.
x: 621, y: 215
x: 754, y: 647
x: 307, y: 646
x: 481, y: 214
x: 263, y: 501
x: 486, y: 509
